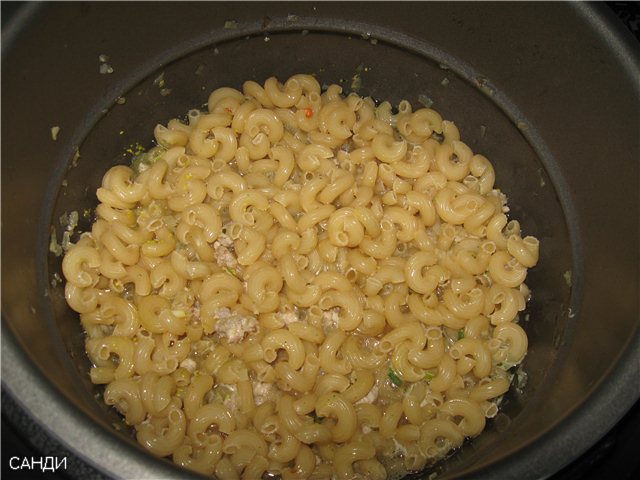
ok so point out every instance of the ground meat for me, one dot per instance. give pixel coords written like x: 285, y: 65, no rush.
x: 226, y: 394
x: 330, y: 319
x: 262, y: 392
x: 234, y: 326
x: 288, y: 317
x: 224, y: 256
x: 224, y: 240
x: 231, y: 401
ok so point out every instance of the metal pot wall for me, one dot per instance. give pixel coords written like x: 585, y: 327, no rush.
x: 549, y: 92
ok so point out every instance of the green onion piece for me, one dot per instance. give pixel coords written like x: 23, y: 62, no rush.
x: 425, y: 101
x: 231, y: 271
x: 461, y: 334
x: 567, y: 278
x: 143, y: 160
x: 225, y: 394
x: 356, y: 82
x: 429, y: 376
x: 138, y: 161
x: 73, y: 220
x: 395, y: 379
x: 54, y: 246
x: 64, y: 219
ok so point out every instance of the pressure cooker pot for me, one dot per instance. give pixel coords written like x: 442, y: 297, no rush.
x: 548, y: 92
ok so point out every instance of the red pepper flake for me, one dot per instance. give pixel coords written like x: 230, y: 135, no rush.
x: 229, y: 110
x: 308, y: 112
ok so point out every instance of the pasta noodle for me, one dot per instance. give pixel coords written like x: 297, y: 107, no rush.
x: 300, y: 284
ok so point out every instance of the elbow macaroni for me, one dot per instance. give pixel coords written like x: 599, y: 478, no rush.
x: 303, y: 284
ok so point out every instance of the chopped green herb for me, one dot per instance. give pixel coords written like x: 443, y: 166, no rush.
x: 356, y: 82
x: 75, y: 159
x: 461, y: 334
x: 159, y: 80
x: 73, y: 220
x: 54, y: 133
x: 425, y: 101
x: 231, y: 271
x: 69, y: 220
x: 64, y: 220
x: 66, y: 240
x: 105, y: 68
x: 135, y: 149
x: 143, y: 160
x: 54, y: 246
x: 428, y: 376
x: 395, y: 379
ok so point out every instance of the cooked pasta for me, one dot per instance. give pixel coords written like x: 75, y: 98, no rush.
x: 300, y: 284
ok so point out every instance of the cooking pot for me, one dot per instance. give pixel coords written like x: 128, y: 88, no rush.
x: 549, y: 92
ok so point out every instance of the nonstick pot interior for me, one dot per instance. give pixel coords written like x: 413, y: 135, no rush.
x: 515, y: 89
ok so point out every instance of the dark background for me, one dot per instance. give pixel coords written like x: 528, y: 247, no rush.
x: 615, y: 456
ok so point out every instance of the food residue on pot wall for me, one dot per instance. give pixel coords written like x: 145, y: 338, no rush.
x: 104, y: 67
